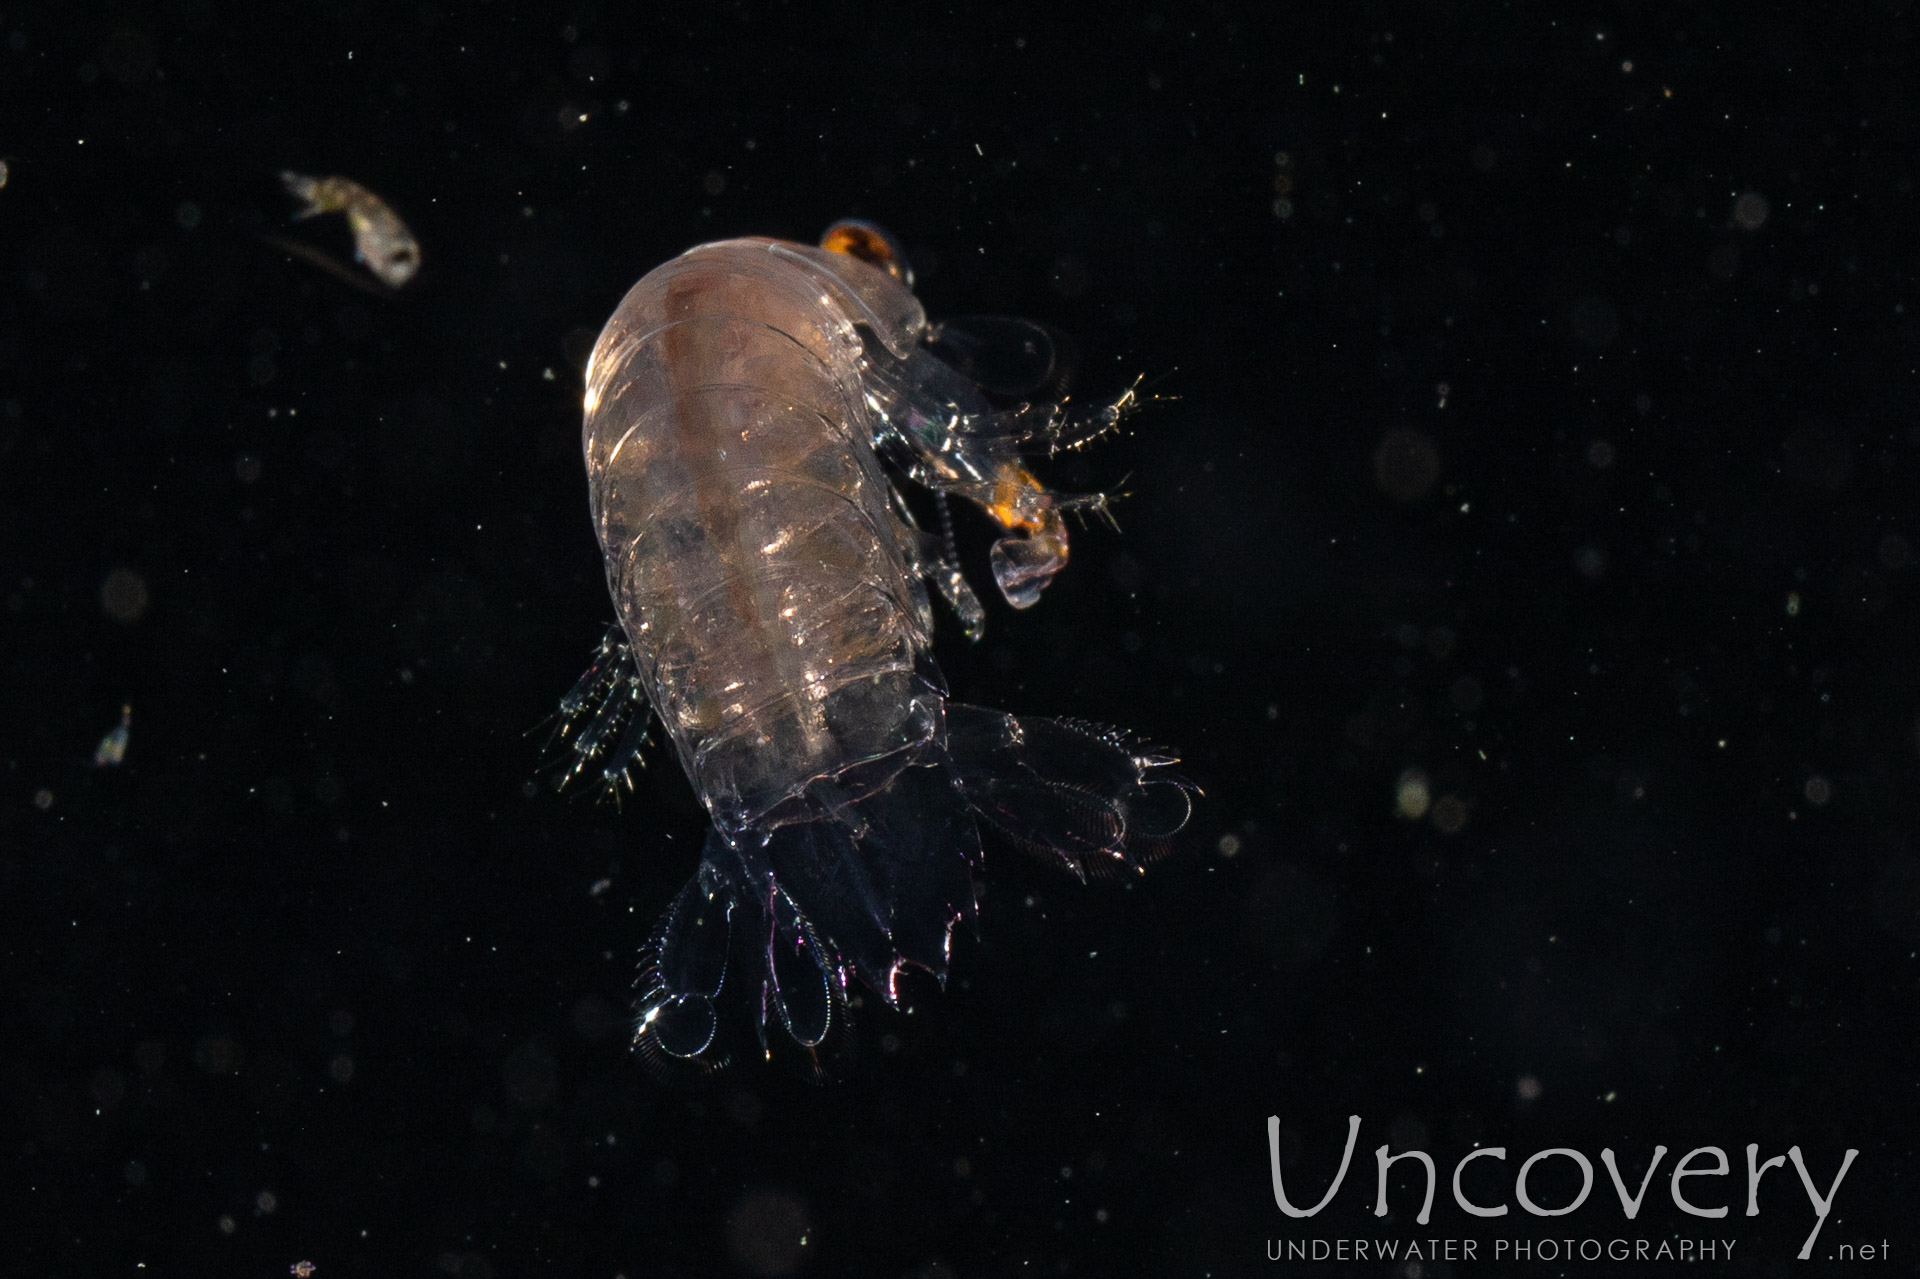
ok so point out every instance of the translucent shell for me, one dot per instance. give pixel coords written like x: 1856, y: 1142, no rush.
x: 757, y: 412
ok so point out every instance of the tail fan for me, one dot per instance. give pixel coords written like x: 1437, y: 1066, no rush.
x: 1077, y: 794
x: 887, y: 880
x: 871, y: 885
x: 865, y: 889
x: 684, y: 969
x: 807, y: 990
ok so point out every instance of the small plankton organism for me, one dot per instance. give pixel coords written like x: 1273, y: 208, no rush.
x: 381, y: 241
x: 113, y: 747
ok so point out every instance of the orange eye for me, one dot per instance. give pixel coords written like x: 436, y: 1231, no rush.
x: 861, y: 239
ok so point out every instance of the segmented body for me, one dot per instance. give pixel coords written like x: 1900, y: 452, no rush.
x: 760, y: 570
x: 748, y: 407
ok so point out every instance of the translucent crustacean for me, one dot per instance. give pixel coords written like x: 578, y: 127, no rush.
x: 743, y: 408
x: 381, y: 241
